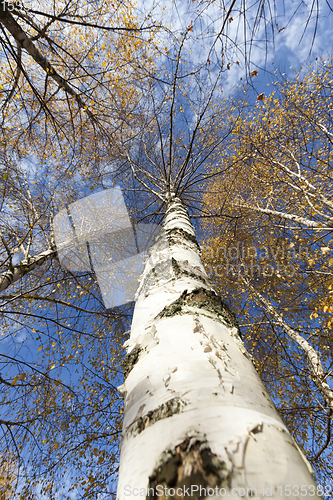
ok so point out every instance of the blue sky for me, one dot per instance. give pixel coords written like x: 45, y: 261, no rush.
x: 293, y: 44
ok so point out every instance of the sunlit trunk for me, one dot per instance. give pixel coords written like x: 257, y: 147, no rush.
x: 197, y: 420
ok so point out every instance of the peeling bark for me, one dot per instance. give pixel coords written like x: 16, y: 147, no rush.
x: 196, y: 413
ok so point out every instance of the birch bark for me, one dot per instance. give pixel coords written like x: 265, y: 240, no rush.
x: 197, y: 420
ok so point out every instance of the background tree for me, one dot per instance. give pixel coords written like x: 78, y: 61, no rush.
x: 274, y: 249
x: 61, y: 107
x: 59, y: 363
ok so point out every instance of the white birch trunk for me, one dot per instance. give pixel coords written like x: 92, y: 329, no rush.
x: 196, y: 413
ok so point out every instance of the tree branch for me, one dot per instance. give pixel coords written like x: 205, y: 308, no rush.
x: 316, y: 368
x: 18, y: 271
x: 22, y: 38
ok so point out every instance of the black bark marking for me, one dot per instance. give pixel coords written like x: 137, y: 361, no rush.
x: 174, y: 308
x: 168, y: 270
x: 179, y: 271
x: 191, y: 463
x: 176, y: 235
x: 175, y: 267
x: 201, y: 298
x: 129, y: 361
x: 165, y: 410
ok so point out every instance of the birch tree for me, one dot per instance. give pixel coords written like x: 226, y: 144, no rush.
x: 7, y: 477
x: 196, y: 414
x: 83, y: 109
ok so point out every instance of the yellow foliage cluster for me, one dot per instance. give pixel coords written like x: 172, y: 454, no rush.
x: 8, y: 473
